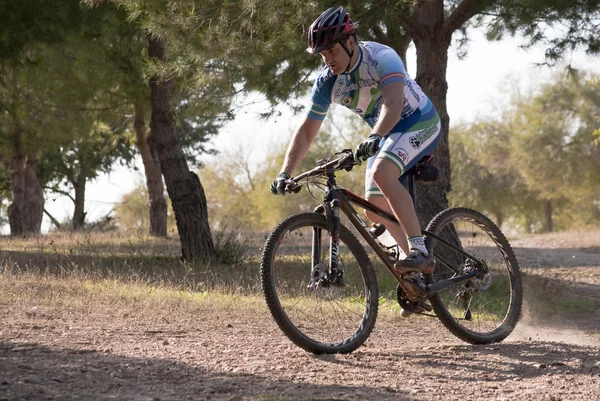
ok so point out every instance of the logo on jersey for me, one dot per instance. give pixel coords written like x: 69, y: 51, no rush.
x: 418, y: 139
x: 372, y: 61
x: 362, y: 83
x: 403, y: 154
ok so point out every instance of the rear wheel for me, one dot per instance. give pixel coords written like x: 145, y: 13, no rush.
x: 486, y: 308
x: 317, y: 315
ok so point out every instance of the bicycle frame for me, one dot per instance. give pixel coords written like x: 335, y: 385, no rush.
x: 338, y: 198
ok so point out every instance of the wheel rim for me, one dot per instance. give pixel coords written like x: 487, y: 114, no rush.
x: 324, y: 314
x: 482, y: 304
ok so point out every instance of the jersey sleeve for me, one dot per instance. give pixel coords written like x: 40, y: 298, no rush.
x: 320, y: 102
x: 390, y: 69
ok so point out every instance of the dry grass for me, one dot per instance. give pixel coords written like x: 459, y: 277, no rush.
x: 145, y: 261
x: 74, y: 268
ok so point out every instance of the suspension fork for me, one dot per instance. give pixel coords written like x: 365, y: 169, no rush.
x: 331, y: 209
x: 334, y: 242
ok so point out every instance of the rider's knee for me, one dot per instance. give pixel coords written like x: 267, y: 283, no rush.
x: 383, y: 174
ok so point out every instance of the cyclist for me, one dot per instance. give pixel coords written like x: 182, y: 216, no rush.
x: 370, y: 79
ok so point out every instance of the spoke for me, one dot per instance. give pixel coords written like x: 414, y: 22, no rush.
x: 328, y: 315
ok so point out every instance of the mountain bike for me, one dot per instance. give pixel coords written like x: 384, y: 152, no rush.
x: 321, y: 287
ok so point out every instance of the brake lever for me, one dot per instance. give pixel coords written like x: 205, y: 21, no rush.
x: 292, y: 186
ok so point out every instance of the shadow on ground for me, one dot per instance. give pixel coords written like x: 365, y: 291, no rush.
x: 33, y: 372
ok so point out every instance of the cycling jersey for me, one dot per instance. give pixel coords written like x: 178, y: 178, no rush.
x: 360, y: 88
x: 419, y: 129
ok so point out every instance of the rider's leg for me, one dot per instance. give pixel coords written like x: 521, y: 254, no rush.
x: 385, y: 175
x: 395, y: 230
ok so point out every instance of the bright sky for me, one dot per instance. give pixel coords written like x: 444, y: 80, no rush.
x: 474, y: 83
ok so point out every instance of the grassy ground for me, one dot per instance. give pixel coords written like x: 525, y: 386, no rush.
x: 99, y: 316
x: 562, y: 270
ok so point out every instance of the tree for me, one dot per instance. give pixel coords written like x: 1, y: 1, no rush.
x: 537, y: 162
x: 562, y: 26
x: 132, y: 211
x: 165, y: 74
x: 430, y: 24
x: 559, y: 123
x: 92, y: 152
x: 36, y: 22
x: 184, y: 187
x: 51, y: 74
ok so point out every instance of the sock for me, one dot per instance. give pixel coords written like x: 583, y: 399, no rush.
x: 418, y: 244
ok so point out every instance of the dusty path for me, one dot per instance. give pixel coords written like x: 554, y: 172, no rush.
x: 68, y: 340
x: 231, y: 350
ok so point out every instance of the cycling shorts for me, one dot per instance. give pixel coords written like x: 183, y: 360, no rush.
x: 404, y: 149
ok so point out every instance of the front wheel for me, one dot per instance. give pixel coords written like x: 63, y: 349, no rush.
x: 486, y: 308
x: 316, y: 314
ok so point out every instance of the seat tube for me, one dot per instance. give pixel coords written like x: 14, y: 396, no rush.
x: 411, y: 187
x: 334, y: 243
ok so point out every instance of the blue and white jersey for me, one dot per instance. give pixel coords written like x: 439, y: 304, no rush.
x: 360, y: 89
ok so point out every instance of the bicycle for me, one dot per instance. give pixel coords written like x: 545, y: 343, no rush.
x: 321, y: 287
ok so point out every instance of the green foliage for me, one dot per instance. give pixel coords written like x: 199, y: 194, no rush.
x: 239, y: 194
x: 231, y: 248
x: 561, y: 25
x: 131, y: 212
x: 68, y: 92
x: 23, y: 23
x: 542, y: 150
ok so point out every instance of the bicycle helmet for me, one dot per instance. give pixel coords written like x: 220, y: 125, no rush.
x: 333, y: 26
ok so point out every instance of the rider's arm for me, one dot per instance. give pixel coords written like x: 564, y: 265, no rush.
x: 300, y: 144
x: 392, y: 75
x: 392, y: 96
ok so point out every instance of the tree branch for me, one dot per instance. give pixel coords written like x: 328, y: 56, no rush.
x: 61, y: 192
x: 466, y: 10
x: 52, y: 219
x: 411, y: 28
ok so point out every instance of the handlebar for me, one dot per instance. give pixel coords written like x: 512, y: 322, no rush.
x: 346, y: 162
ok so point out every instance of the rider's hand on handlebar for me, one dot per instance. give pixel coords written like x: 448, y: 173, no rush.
x: 367, y: 148
x: 278, y: 186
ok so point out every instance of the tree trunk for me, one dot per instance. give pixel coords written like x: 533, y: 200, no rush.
x: 16, y: 210
x: 432, y: 46
x: 184, y: 188
x: 79, y: 213
x: 157, y: 204
x: 34, y: 196
x: 26, y: 210
x: 548, y: 215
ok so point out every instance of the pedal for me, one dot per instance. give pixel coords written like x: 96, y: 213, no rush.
x: 419, y: 308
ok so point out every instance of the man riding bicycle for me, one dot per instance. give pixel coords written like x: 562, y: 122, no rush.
x: 370, y: 79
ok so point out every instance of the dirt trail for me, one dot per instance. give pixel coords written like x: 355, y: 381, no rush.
x: 223, y: 352
x: 103, y: 348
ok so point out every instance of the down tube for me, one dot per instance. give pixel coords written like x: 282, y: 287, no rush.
x: 362, y: 228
